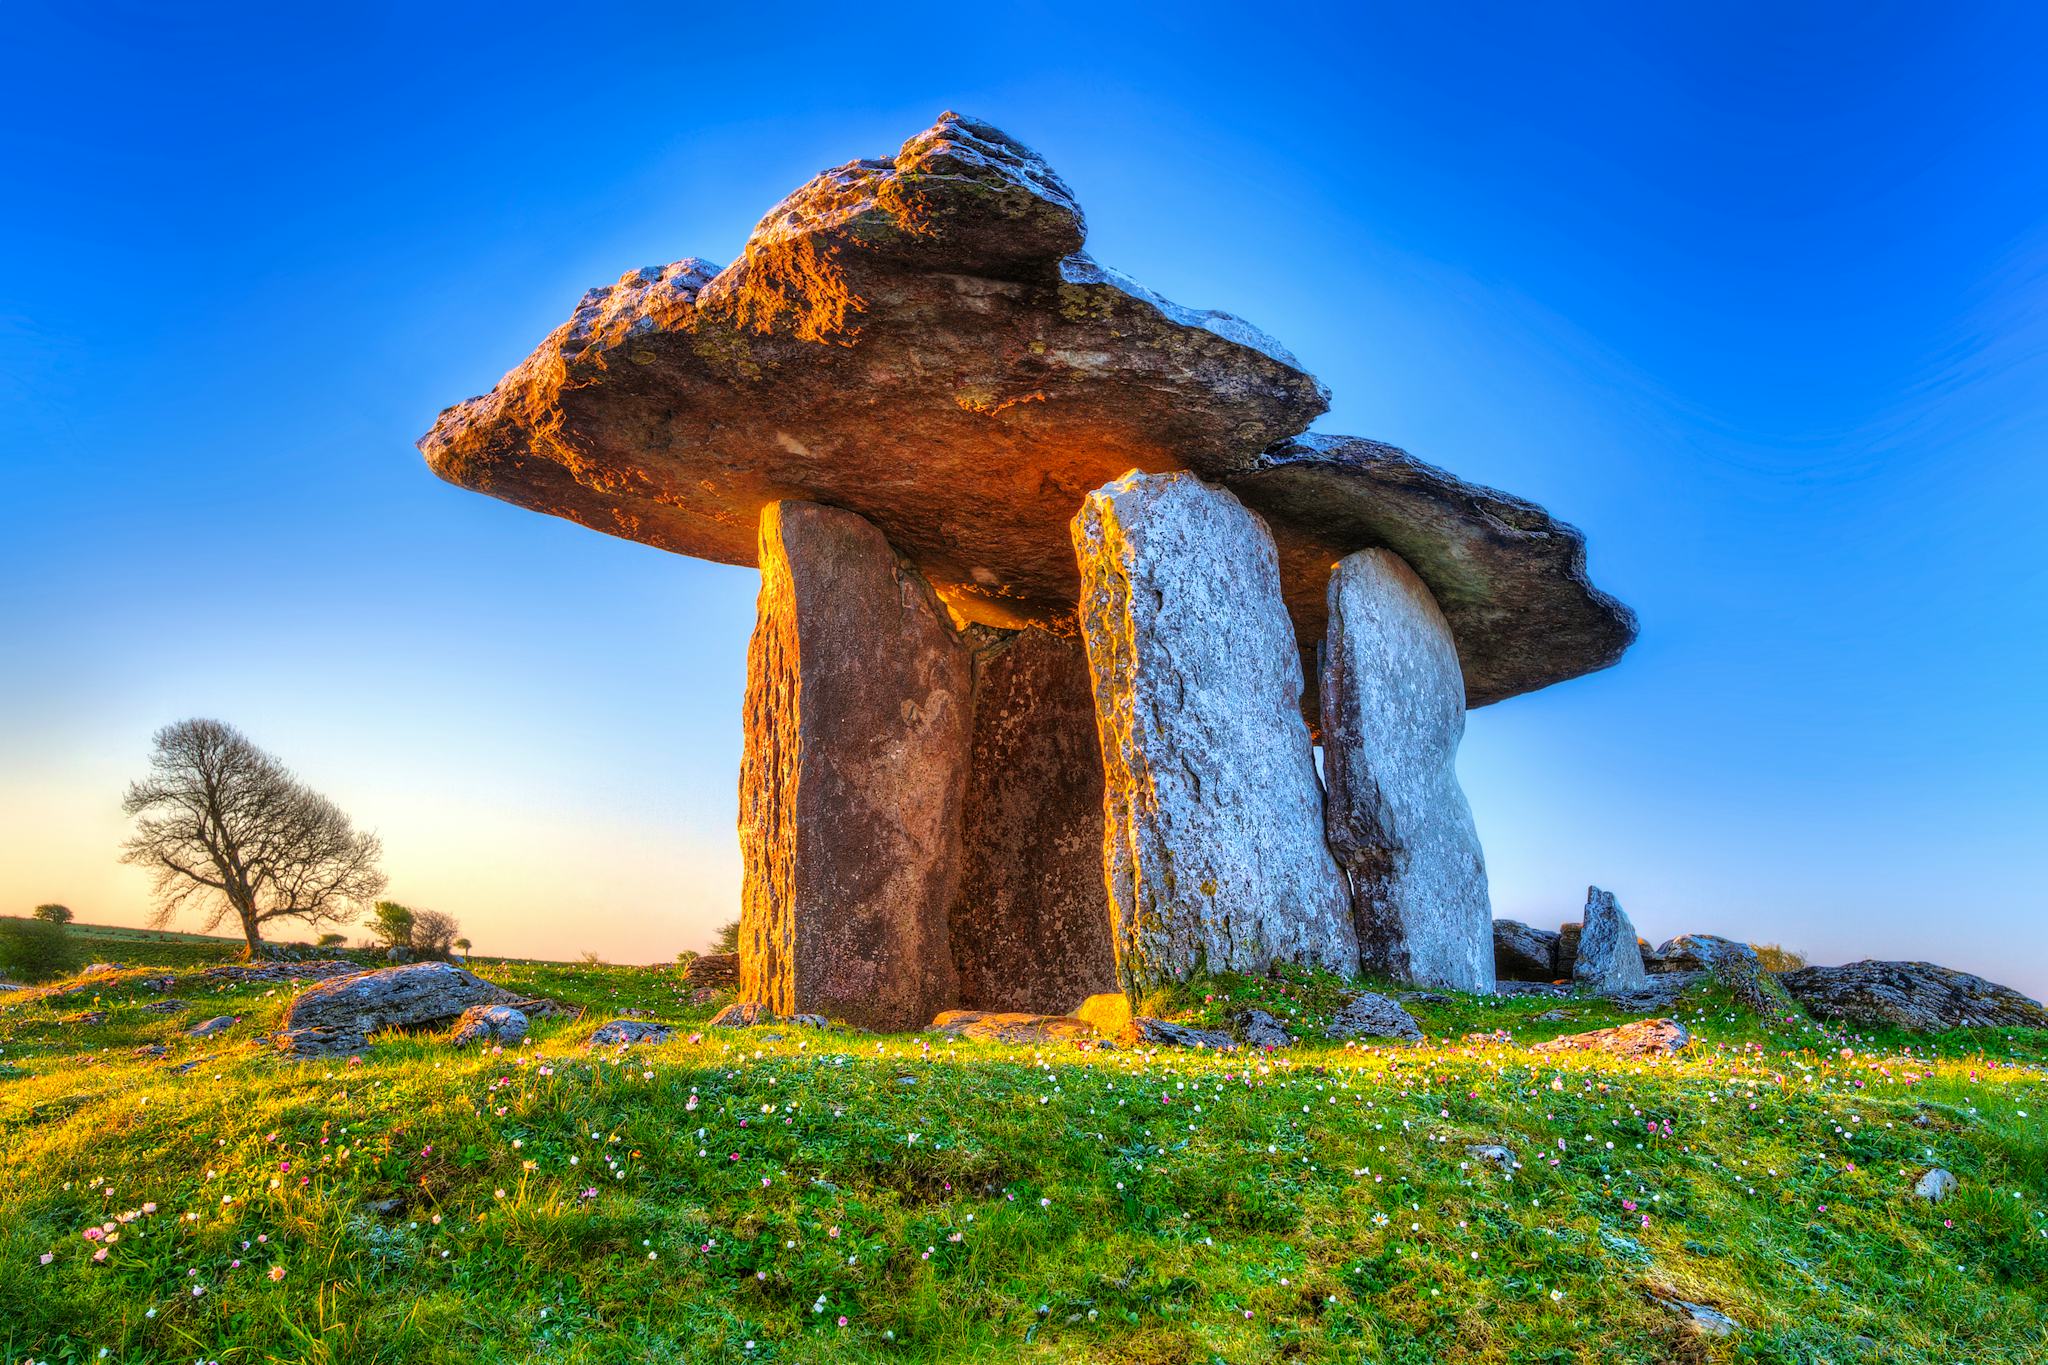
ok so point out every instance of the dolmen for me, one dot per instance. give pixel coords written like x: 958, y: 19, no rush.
x: 1058, y: 597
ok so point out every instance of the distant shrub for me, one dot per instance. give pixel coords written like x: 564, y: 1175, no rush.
x: 726, y: 938
x: 54, y: 914
x: 1775, y: 957
x: 390, y: 925
x: 331, y: 940
x: 594, y: 958
x: 36, y: 950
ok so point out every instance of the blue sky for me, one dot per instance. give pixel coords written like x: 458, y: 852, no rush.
x: 1758, y: 298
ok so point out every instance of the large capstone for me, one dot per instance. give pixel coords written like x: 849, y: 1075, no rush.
x: 1213, y: 840
x: 858, y: 713
x: 1030, y: 926
x: 923, y: 340
x: 1610, y: 960
x: 1393, y: 706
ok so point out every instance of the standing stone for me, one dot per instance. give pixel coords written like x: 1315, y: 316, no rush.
x: 851, y: 781
x: 1393, y: 707
x: 1030, y: 926
x: 1610, y: 961
x: 1213, y: 844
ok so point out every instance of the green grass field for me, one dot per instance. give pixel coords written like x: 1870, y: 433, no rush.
x: 792, y: 1195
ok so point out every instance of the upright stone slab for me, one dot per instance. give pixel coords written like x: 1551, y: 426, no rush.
x: 1213, y: 842
x: 1393, y: 708
x: 858, y: 715
x: 1610, y: 961
x: 1030, y: 927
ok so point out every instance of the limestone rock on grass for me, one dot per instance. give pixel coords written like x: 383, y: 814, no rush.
x: 220, y: 1023
x: 1643, y: 1038
x: 626, y: 1032
x: 1214, y: 851
x: 1258, y: 1029
x: 997, y: 1026
x: 743, y: 1014
x: 412, y: 995
x: 1702, y: 1318
x: 1370, y: 1015
x: 1702, y: 952
x: 1609, y: 960
x: 500, y: 1024
x: 1935, y: 1185
x: 858, y: 718
x: 1393, y: 712
x: 1160, y: 1032
x: 1918, y: 996
x: 1522, y: 953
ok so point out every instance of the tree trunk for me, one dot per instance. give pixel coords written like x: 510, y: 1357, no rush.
x: 255, y: 948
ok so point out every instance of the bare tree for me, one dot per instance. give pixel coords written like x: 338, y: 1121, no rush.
x: 433, y: 933
x: 225, y: 828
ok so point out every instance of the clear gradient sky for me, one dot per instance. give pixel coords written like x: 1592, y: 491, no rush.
x: 1757, y: 296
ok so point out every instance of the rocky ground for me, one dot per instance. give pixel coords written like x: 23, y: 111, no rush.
x: 798, y: 1193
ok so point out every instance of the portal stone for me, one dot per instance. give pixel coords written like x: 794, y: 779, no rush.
x: 1213, y: 849
x: 1030, y: 926
x: 1393, y: 705
x: 858, y: 718
x: 1610, y: 961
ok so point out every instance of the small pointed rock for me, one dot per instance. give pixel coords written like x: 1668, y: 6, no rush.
x: 1609, y: 960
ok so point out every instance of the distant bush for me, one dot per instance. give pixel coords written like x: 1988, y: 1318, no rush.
x: 1776, y: 957
x: 36, y: 950
x: 390, y: 925
x: 726, y: 938
x: 331, y: 940
x: 54, y: 914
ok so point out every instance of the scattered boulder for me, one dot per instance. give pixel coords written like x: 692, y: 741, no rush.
x: 500, y: 1024
x: 713, y: 971
x: 1659, y: 991
x: 150, y: 1050
x: 321, y: 1040
x: 1556, y: 990
x: 1702, y: 953
x: 87, y: 1017
x: 168, y: 1005
x: 1214, y: 848
x: 1369, y: 1015
x: 1608, y: 961
x: 989, y: 1026
x: 95, y: 968
x: 220, y: 1023
x: 626, y: 1032
x: 859, y: 711
x: 1503, y: 1157
x: 1259, y: 1029
x: 1030, y: 925
x: 1936, y: 1185
x: 1643, y: 1038
x: 1917, y: 996
x: 1109, y: 1013
x: 1522, y: 953
x: 1160, y: 1032
x: 743, y: 1014
x: 410, y: 996
x: 1702, y: 1318
x: 282, y: 973
x: 1393, y: 714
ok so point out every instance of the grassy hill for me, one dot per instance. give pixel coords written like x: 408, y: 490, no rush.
x: 794, y: 1195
